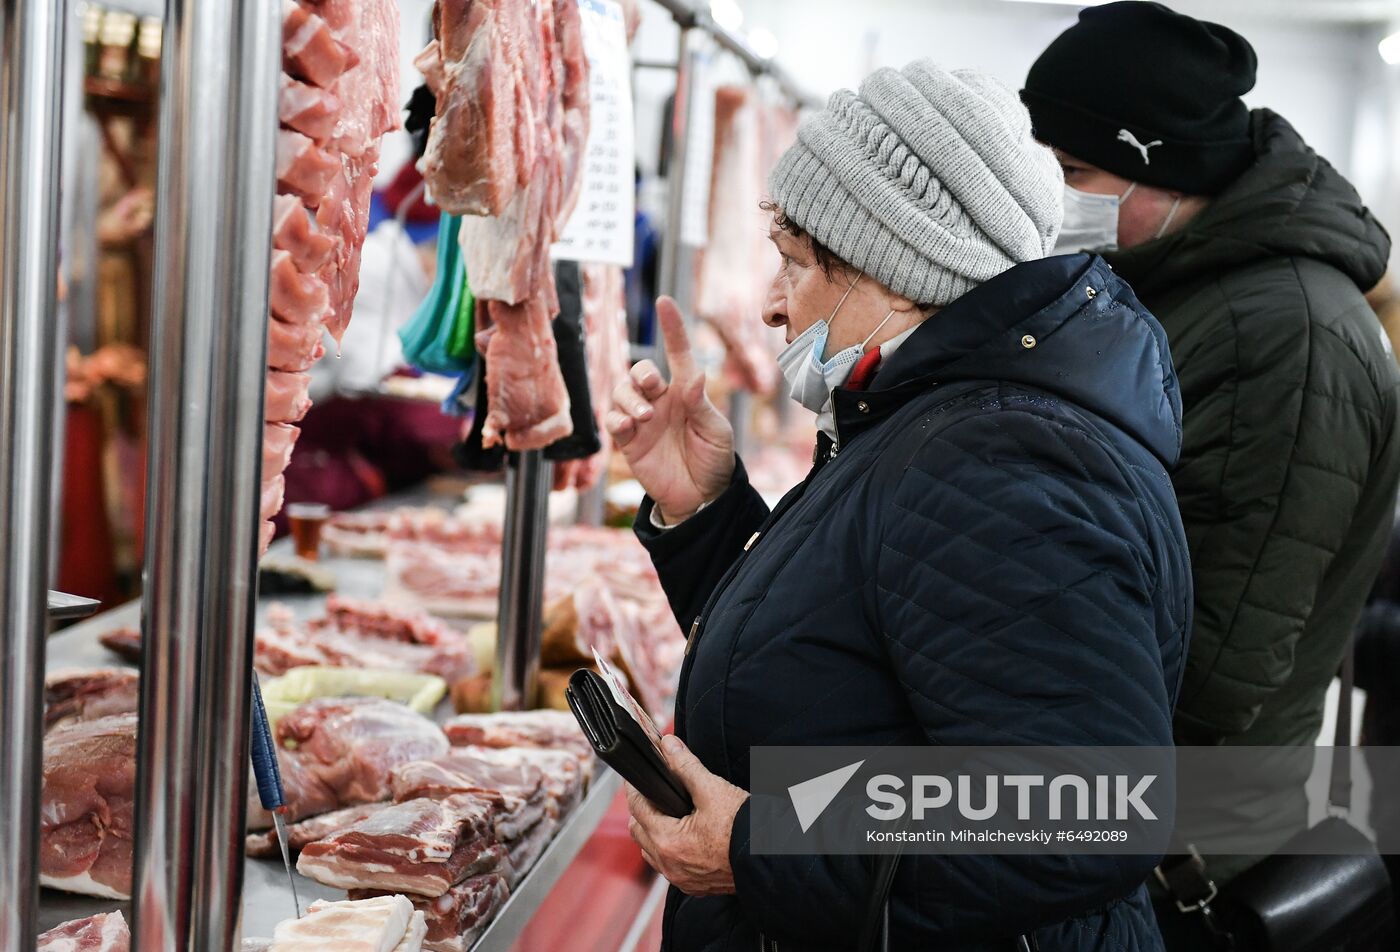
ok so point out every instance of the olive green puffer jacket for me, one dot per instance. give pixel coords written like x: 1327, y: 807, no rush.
x: 1290, y: 462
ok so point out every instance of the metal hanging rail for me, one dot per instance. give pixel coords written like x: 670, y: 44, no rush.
x: 219, y: 88
x: 31, y: 73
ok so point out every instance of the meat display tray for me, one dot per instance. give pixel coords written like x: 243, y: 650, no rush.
x: 266, y: 898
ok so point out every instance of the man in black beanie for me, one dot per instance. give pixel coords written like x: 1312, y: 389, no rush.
x: 1254, y: 253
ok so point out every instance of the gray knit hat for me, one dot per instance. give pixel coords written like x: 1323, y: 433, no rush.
x: 928, y: 181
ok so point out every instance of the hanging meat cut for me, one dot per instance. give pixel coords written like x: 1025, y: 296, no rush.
x: 85, y: 813
x: 737, y: 265
x: 105, y: 932
x: 506, y: 150
x: 419, y: 846
x: 339, y: 97
x: 456, y: 919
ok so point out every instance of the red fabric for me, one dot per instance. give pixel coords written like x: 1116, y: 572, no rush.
x: 409, y: 178
x: 864, y: 370
x: 86, y: 563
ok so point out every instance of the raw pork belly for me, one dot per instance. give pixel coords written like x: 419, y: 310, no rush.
x: 265, y: 846
x: 339, y: 97
x: 515, y: 791
x: 549, y: 729
x: 86, y: 808
x: 421, y: 846
x: 382, y: 924
x: 563, y: 772
x: 105, y: 932
x: 87, y: 695
x: 506, y: 150
x: 457, y: 918
x: 526, y: 849
x: 338, y: 752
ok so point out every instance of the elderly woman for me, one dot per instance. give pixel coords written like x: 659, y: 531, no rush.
x: 987, y: 550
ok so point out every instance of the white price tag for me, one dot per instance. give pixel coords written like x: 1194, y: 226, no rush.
x: 603, y: 223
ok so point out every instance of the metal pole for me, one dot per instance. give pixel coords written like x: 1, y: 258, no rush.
x: 519, y: 621
x: 670, y: 271
x: 31, y: 60
x: 219, y: 83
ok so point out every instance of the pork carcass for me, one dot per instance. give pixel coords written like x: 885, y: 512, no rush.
x: 382, y: 924
x: 457, y: 918
x: 419, y: 846
x: 85, y: 816
x: 339, y: 97
x: 105, y: 932
x: 735, y: 269
x: 85, y: 695
x: 605, y: 341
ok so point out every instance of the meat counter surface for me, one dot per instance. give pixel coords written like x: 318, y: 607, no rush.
x: 265, y: 896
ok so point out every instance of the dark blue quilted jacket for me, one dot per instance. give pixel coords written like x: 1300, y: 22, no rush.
x: 994, y: 556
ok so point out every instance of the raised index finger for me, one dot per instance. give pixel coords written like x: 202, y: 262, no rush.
x: 675, y: 339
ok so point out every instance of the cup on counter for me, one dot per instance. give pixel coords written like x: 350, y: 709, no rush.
x: 306, y: 520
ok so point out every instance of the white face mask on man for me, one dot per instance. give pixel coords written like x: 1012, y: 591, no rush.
x: 810, y: 378
x: 1091, y: 221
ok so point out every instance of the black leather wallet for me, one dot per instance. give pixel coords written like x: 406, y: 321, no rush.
x: 624, y: 744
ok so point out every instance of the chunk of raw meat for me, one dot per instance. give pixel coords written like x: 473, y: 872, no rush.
x: 550, y: 729
x: 85, y: 813
x: 125, y: 642
x: 292, y: 232
x: 457, y: 918
x: 293, y: 347
x: 354, y: 743
x: 105, y: 932
x: 382, y: 924
x: 515, y: 790
x: 369, y: 90
x: 481, y: 142
x: 303, y: 169
x: 270, y: 502
x: 278, y: 440
x: 526, y: 849
x: 86, y: 695
x: 310, y: 51
x: 420, y: 846
x: 295, y: 297
x: 605, y: 341
x: 571, y: 72
x: 364, y: 634
x: 286, y: 398
x: 264, y: 845
x: 563, y: 772
x: 529, y: 404
x: 308, y: 109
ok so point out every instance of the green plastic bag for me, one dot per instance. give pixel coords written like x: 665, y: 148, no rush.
x: 427, y: 336
x: 461, y: 344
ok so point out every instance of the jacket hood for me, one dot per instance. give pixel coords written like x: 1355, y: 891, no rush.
x: 1290, y: 203
x: 1066, y: 325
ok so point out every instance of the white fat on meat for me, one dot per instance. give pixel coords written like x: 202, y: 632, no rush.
x: 105, y: 932
x: 382, y: 924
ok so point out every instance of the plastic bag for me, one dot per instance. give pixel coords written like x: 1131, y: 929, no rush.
x: 428, y: 338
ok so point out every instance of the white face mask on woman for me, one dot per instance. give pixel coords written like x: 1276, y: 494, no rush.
x: 810, y: 378
x: 1091, y: 221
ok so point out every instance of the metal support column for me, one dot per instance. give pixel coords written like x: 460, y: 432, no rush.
x: 669, y: 277
x: 218, y: 126
x: 519, y: 621
x: 30, y: 146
